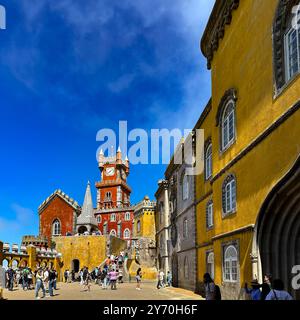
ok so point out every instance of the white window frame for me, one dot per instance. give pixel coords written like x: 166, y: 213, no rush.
x: 126, y: 231
x: 209, y: 215
x: 230, y: 197
x: 113, y: 233
x: 288, y: 71
x: 185, y: 187
x: 113, y: 217
x: 208, y: 162
x: 210, y: 264
x: 56, y: 228
x: 226, y: 143
x: 230, y: 264
x: 99, y: 218
x: 127, y: 216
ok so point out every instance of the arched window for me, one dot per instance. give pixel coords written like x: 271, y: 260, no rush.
x: 56, y: 228
x: 208, y: 161
x: 228, y: 125
x: 113, y: 217
x: 286, y: 42
x: 99, y: 219
x: 105, y: 230
x: 126, y: 234
x: 161, y: 212
x: 113, y: 233
x: 185, y: 228
x: 210, y: 264
x: 229, y: 195
x: 108, y: 196
x: 185, y: 187
x: 119, y: 229
x: 138, y: 226
x: 230, y: 264
x: 209, y: 215
x: 127, y: 216
x: 186, y: 268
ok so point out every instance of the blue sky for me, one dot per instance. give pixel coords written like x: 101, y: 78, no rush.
x: 69, y: 68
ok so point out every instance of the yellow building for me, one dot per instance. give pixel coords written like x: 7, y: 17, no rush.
x: 248, y: 207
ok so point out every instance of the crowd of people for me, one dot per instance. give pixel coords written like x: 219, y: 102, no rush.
x: 164, y: 280
x: 269, y: 290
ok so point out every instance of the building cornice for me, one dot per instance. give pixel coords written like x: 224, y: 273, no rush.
x: 215, y: 29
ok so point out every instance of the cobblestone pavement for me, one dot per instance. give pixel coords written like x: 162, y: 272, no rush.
x: 125, y: 291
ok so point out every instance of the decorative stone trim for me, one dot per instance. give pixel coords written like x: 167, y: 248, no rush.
x: 215, y: 29
x: 281, y: 20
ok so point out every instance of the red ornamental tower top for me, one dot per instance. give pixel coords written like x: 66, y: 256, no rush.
x: 113, y: 190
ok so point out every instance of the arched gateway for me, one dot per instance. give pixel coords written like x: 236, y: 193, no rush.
x: 277, y: 236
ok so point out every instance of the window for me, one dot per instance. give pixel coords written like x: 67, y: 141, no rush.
x: 228, y: 125
x: 127, y: 216
x: 138, y: 226
x: 292, y: 52
x: 186, y: 268
x: 209, y: 215
x: 108, y: 196
x: 126, y: 234
x: 113, y: 217
x: 99, y: 219
x: 105, y: 231
x: 185, y: 228
x: 56, y: 228
x: 113, y: 233
x: 208, y: 162
x: 119, y: 230
x: 161, y: 212
x: 230, y: 264
x: 210, y: 264
x: 229, y: 195
x: 185, y: 187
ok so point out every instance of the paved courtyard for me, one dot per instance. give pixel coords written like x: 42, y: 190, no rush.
x: 125, y: 291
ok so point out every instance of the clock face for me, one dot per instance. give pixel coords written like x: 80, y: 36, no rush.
x: 110, y: 171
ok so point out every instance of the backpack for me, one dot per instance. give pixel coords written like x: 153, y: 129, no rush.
x: 218, y: 295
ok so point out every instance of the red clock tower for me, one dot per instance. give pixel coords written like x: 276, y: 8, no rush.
x: 114, y: 213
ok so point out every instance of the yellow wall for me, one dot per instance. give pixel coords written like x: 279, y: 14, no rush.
x: 244, y: 61
x: 147, y: 220
x: 89, y: 250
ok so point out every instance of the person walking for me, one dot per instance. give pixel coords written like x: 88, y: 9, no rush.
x: 120, y: 280
x: 138, y: 278
x: 39, y: 284
x: 66, y: 276
x: 277, y: 292
x: 255, y: 292
x: 169, y: 279
x: 52, y: 277
x: 10, y: 278
x: 113, y: 276
x: 212, y: 291
x: 46, y: 279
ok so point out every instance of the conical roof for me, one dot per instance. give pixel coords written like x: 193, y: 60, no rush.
x: 87, y: 213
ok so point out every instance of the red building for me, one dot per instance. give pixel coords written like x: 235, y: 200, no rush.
x: 58, y: 215
x: 114, y: 213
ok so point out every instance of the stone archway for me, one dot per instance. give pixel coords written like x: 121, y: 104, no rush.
x: 82, y: 229
x: 278, y: 230
x: 75, y: 265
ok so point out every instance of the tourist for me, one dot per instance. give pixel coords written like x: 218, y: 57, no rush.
x: 160, y: 279
x: 113, y: 276
x: 10, y: 278
x: 266, y: 286
x: 212, y: 291
x: 86, y: 279
x: 29, y: 277
x: 255, y: 292
x: 52, y: 277
x: 81, y: 276
x: 66, y: 276
x: 169, y: 279
x: 104, y: 279
x: 138, y: 278
x: 46, y: 279
x: 120, y: 275
x: 39, y: 284
x: 277, y: 292
x: 25, y: 279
